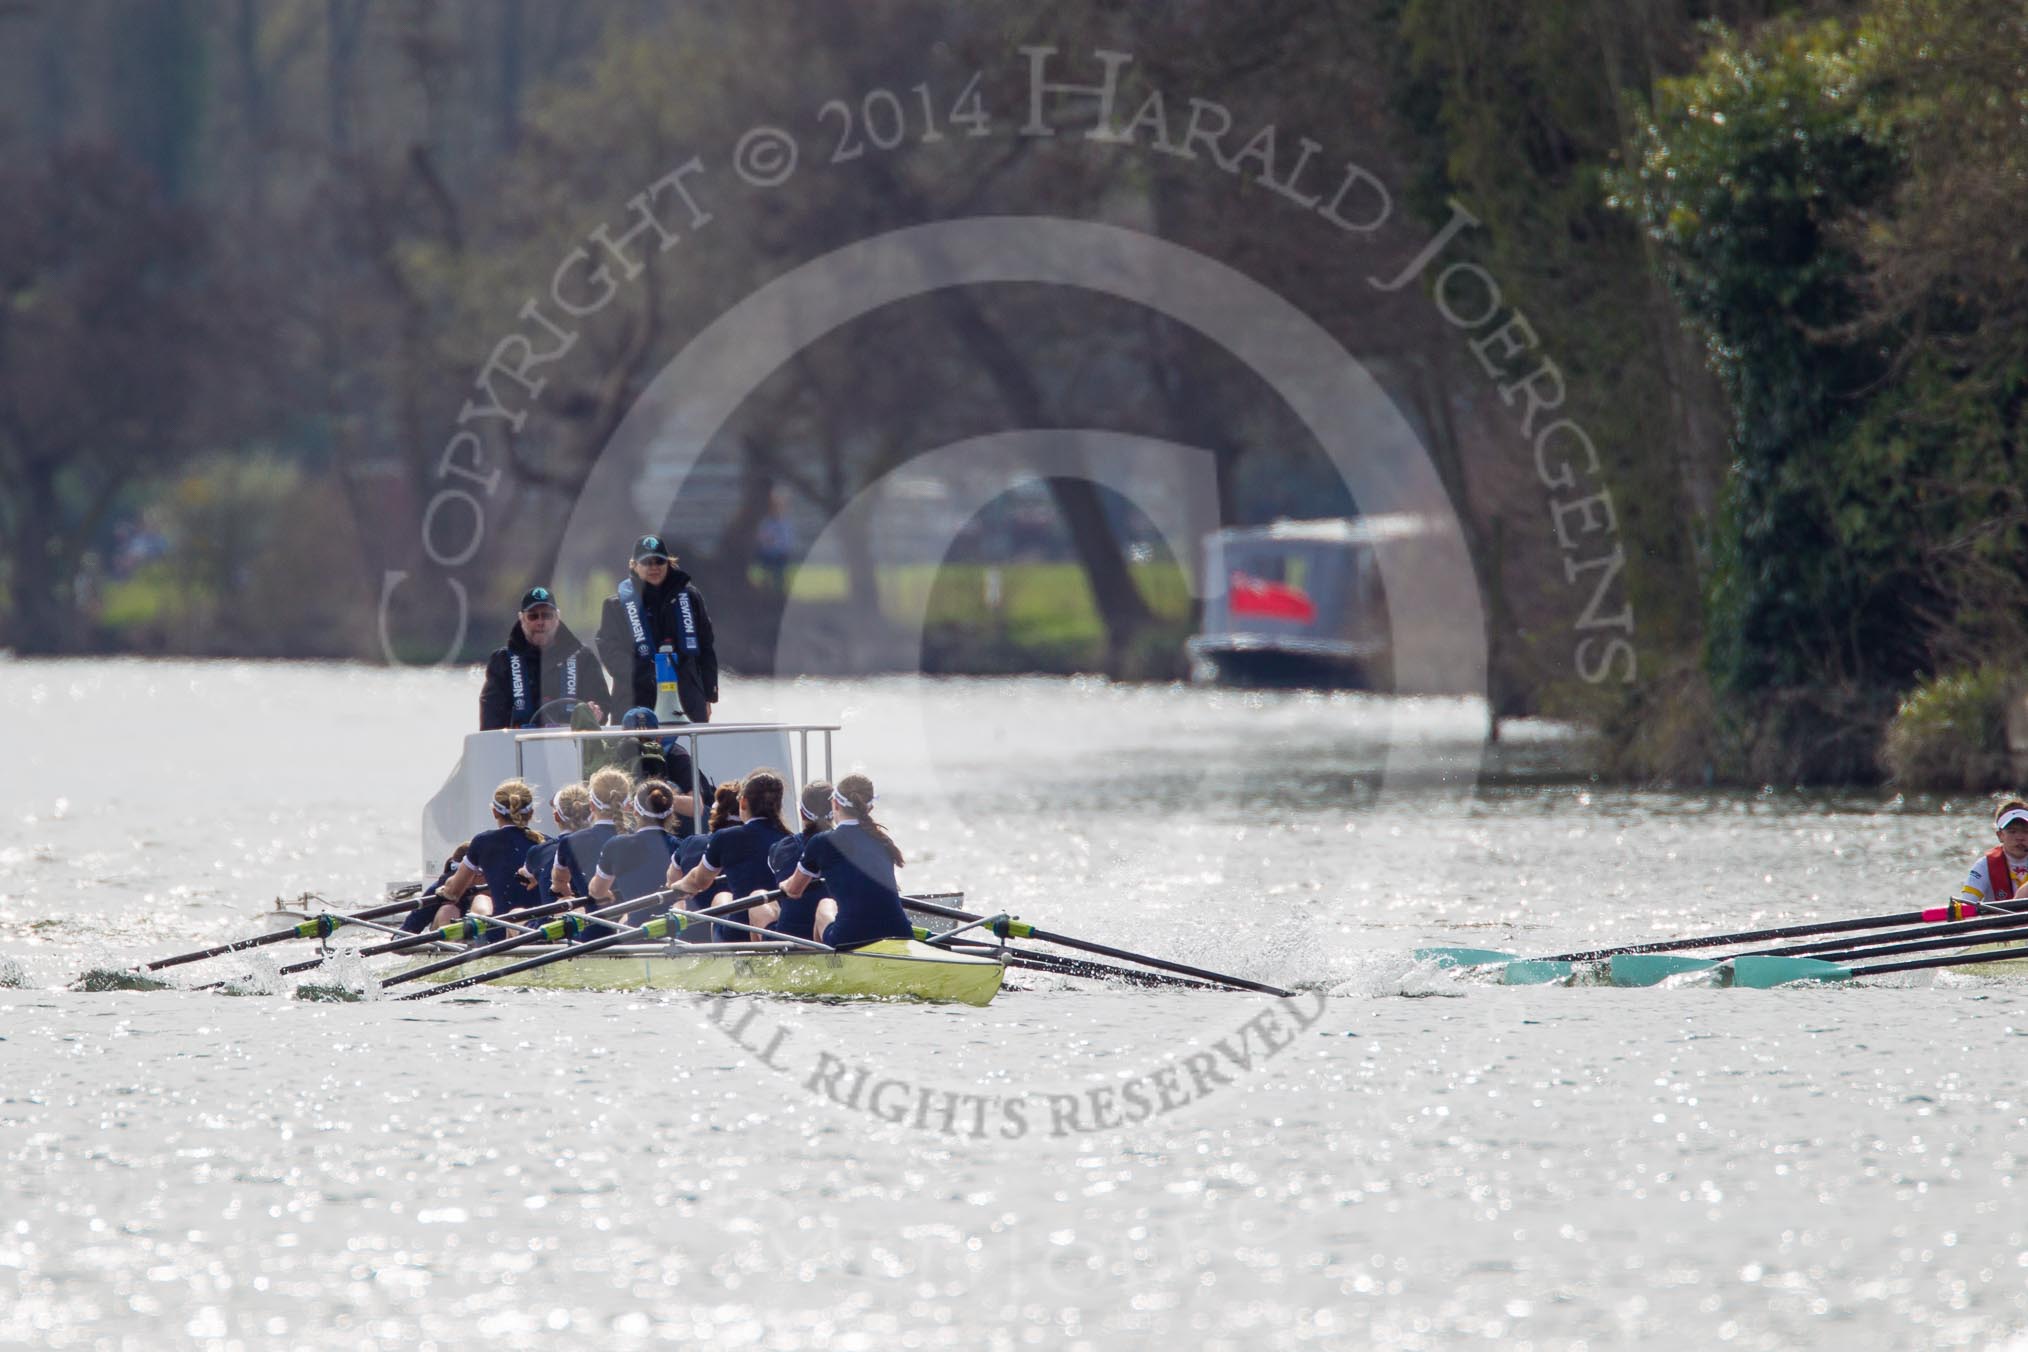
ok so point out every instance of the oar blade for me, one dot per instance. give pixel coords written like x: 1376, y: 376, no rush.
x: 1536, y: 972
x: 1652, y: 969
x: 1463, y: 957
x: 1765, y: 973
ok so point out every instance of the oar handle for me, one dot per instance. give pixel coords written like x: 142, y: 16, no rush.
x: 315, y: 928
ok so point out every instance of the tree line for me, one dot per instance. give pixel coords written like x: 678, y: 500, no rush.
x: 253, y: 252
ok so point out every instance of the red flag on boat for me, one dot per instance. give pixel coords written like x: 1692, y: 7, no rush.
x: 1263, y: 599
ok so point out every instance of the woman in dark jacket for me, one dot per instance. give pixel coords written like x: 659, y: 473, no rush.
x: 656, y: 605
x: 542, y: 661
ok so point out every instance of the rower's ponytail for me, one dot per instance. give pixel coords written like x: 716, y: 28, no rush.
x: 573, y: 806
x: 815, y: 807
x: 761, y: 795
x: 725, y: 806
x: 610, y: 789
x: 514, y: 804
x: 655, y: 803
x: 856, y: 793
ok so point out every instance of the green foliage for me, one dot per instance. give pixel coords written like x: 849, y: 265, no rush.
x: 1805, y: 190
x: 1950, y: 733
x: 254, y: 555
x: 1746, y: 165
x: 1493, y: 119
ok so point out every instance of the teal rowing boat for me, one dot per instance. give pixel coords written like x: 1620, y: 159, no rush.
x: 893, y: 969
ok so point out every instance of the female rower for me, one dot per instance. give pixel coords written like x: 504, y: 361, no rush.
x: 426, y: 904
x: 577, y: 854
x: 2001, y: 874
x: 856, y: 859
x: 634, y: 865
x: 690, y: 849
x: 572, y: 809
x: 740, y: 852
x: 798, y: 916
x: 495, y: 856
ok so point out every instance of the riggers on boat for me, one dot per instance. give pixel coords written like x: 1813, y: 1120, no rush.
x: 888, y: 969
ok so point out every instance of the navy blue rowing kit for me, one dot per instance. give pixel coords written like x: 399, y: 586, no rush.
x: 740, y: 854
x: 859, y: 872
x: 498, y: 855
x: 638, y: 864
x: 540, y: 860
x: 799, y: 914
x: 579, y: 852
x: 425, y: 913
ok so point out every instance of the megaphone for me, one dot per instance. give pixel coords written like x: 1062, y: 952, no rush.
x: 668, y: 706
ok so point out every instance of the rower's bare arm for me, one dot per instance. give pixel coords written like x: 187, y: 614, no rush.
x: 600, y: 887
x: 693, y: 882
x: 796, y: 882
x: 459, y: 883
x: 559, y: 881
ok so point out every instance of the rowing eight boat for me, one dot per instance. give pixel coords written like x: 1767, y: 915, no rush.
x: 889, y: 969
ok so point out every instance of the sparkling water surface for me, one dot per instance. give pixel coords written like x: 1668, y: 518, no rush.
x: 1395, y: 1159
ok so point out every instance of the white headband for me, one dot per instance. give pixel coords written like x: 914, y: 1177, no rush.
x: 604, y: 806
x: 642, y: 808
x: 2012, y: 815
x: 808, y: 815
x: 508, y: 812
x: 842, y: 801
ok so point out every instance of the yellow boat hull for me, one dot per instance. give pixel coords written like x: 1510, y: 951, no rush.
x: 893, y: 969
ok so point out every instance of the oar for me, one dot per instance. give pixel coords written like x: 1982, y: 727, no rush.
x: 1062, y: 964
x: 1475, y: 957
x: 1035, y: 959
x: 1020, y: 929
x: 1763, y: 972
x: 555, y: 931
x: 1647, y: 969
x: 2013, y: 952
x: 470, y: 927
x: 317, y: 927
x: 1965, y: 934
x: 661, y: 927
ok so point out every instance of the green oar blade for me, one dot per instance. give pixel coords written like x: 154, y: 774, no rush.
x: 1762, y: 973
x: 1535, y: 972
x: 1462, y: 957
x: 1651, y: 969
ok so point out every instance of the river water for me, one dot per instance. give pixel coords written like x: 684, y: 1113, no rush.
x: 1395, y: 1158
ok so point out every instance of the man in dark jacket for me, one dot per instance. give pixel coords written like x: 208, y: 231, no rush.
x: 657, y: 605
x: 542, y: 661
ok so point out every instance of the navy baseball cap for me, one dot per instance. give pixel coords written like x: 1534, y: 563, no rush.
x: 538, y: 596
x: 650, y: 547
